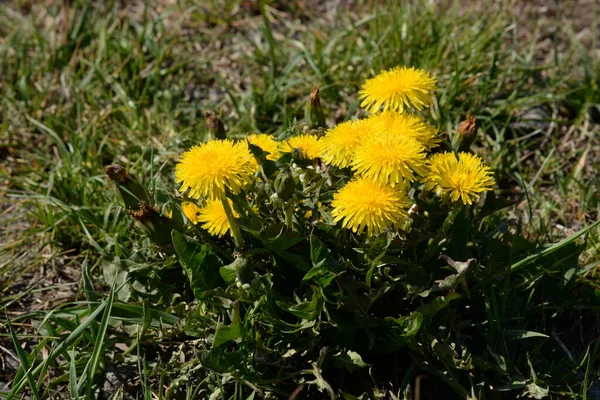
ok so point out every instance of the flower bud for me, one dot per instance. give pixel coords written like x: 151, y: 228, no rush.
x: 216, y: 129
x: 313, y: 112
x: 465, y: 134
x: 243, y: 270
x: 297, y: 154
x: 131, y: 191
x: 156, y: 227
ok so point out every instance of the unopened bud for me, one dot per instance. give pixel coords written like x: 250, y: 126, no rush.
x: 297, y: 154
x: 216, y: 129
x: 243, y: 270
x: 313, y: 112
x: 465, y: 134
x: 131, y: 191
x: 155, y: 226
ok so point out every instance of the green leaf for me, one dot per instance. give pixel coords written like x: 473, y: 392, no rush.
x: 177, y: 217
x: 321, y: 260
x: 429, y: 310
x: 319, y: 253
x: 198, y: 262
x: 219, y: 360
x: 374, y: 264
x: 228, y: 273
x: 447, y: 353
x: 545, y: 251
x: 284, y: 242
x: 350, y: 360
x: 536, y: 388
x: 308, y: 310
x: 397, y: 332
x: 116, y: 274
x: 533, y: 390
x: 321, y: 275
x: 233, y: 331
x: 452, y: 281
x: 295, y: 260
x: 522, y: 334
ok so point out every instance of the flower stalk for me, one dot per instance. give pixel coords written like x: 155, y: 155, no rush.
x: 235, y: 228
x: 434, y: 244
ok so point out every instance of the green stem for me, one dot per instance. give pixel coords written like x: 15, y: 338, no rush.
x: 235, y: 229
x: 434, y: 243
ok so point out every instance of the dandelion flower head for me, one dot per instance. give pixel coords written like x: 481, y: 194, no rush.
x: 309, y: 145
x: 407, y: 125
x: 214, y: 219
x: 191, y: 211
x: 464, y: 178
x: 340, y: 143
x: 390, y: 159
x: 208, y: 170
x: 371, y: 205
x: 266, y: 144
x: 397, y: 89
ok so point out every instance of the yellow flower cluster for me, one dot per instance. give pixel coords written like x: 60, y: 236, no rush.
x: 391, y: 149
x: 386, y: 152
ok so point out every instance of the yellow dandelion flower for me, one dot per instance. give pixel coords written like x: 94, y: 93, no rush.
x: 212, y: 168
x: 191, y: 211
x: 407, y: 125
x: 464, y: 178
x: 390, y: 159
x: 310, y: 145
x: 267, y: 144
x: 398, y: 88
x: 340, y: 143
x: 214, y: 219
x: 364, y: 203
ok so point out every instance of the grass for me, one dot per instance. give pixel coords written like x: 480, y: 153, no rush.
x: 90, y: 84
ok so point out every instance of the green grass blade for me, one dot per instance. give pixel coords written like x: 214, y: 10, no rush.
x: 73, y: 391
x: 23, y: 359
x: 268, y: 31
x: 99, y: 346
x: 528, y: 260
x: 74, y: 336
